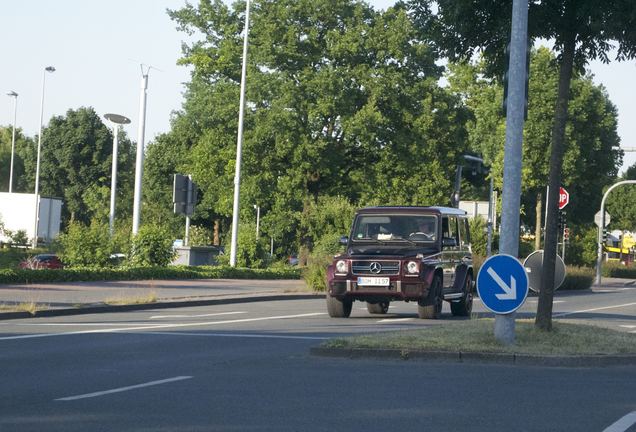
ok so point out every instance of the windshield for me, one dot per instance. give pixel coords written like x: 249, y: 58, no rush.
x: 384, y: 228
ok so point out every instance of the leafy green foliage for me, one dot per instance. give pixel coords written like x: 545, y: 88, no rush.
x: 315, y: 274
x: 83, y: 245
x: 251, y: 253
x: 151, y: 246
x: 9, y: 276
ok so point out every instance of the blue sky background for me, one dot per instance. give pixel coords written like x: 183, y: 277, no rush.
x: 97, y: 47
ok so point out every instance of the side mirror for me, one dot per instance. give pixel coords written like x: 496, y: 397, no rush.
x: 449, y: 242
x: 344, y: 240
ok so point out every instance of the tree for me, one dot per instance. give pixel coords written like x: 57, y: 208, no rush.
x: 22, y: 142
x: 76, y: 158
x: 592, y: 139
x: 582, y: 30
x: 342, y: 101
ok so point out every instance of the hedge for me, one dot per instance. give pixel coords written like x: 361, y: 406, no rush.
x: 13, y: 276
x: 618, y: 271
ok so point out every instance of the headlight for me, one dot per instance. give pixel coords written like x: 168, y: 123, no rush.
x: 341, y: 266
x: 413, y: 267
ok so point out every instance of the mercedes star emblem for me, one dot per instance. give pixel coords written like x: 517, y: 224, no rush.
x: 375, y: 267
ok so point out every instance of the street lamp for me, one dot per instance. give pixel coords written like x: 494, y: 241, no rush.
x: 239, y: 142
x: 37, y: 165
x: 117, y: 120
x: 14, y: 95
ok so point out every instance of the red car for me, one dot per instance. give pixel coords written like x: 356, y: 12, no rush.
x: 42, y: 261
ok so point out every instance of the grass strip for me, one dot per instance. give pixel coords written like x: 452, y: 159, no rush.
x: 478, y: 336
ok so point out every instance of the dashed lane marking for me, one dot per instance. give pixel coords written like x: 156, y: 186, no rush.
x: 195, y: 316
x: 622, y: 424
x: 159, y: 326
x: 237, y: 335
x: 593, y: 310
x: 123, y: 389
x: 394, y: 320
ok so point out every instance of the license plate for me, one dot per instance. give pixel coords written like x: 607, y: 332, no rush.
x: 373, y: 281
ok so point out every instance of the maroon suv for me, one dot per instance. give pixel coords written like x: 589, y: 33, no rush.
x: 419, y: 254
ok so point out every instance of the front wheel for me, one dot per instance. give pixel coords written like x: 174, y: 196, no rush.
x: 339, y: 308
x: 431, y: 307
x: 464, y: 306
x: 378, y: 308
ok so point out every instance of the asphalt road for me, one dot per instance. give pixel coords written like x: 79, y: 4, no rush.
x: 246, y: 367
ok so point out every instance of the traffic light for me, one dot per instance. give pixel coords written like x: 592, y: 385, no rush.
x: 604, y: 235
x: 566, y: 234
x: 562, y: 220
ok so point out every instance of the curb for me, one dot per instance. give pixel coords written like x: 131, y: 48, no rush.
x: 478, y: 357
x: 103, y: 308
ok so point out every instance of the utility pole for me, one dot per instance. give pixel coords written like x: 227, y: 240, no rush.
x: 515, y: 110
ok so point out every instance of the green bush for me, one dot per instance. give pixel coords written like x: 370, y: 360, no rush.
x: 152, y: 246
x: 315, y: 274
x: 199, y: 236
x: 618, y: 270
x: 11, y: 276
x: 577, y: 278
x: 250, y: 253
x: 85, y: 245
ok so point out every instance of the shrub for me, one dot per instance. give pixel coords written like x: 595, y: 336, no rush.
x: 315, y: 274
x: 152, y: 246
x: 577, y: 278
x: 618, y: 270
x: 85, y: 245
x: 199, y: 236
x: 250, y: 253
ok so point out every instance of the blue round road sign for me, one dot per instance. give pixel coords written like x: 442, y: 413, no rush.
x: 502, y: 284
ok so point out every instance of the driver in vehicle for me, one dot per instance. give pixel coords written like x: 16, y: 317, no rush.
x: 426, y: 228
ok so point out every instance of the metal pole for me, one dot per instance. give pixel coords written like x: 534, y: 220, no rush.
x: 139, y: 165
x: 113, y: 183
x: 239, y: 141
x: 14, y: 95
x: 37, y: 164
x: 511, y: 198
x: 186, y: 241
x: 490, y: 214
x: 545, y: 220
x: 599, y: 257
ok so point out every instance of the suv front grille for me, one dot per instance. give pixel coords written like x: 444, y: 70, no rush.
x: 386, y: 267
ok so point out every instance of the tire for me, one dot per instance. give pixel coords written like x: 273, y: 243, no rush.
x: 431, y: 307
x: 378, y: 308
x: 339, y: 308
x: 464, y: 306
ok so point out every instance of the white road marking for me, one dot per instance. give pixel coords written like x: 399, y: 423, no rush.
x: 392, y: 320
x: 195, y: 316
x: 623, y: 423
x: 628, y: 326
x: 593, y: 310
x: 159, y: 326
x: 255, y: 336
x: 553, y: 302
x: 123, y: 389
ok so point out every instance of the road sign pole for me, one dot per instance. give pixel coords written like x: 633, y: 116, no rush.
x: 505, y: 324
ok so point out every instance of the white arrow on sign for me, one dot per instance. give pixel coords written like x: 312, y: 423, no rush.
x: 510, y: 292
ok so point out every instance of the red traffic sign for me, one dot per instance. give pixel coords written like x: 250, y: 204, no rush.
x: 564, y: 198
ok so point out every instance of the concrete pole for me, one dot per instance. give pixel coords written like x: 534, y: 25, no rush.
x: 139, y: 165
x: 186, y: 241
x: 37, y: 164
x: 239, y: 142
x: 14, y: 95
x: 113, y: 183
x: 490, y: 217
x: 511, y: 198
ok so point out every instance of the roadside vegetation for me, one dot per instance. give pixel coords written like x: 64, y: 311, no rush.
x: 478, y: 336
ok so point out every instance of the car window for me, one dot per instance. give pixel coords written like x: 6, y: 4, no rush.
x: 449, y: 228
x: 463, y: 232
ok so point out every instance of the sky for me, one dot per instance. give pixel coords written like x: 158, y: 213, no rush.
x: 97, y: 47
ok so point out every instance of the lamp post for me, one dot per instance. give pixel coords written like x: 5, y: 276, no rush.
x: 139, y: 161
x: 37, y: 165
x: 116, y: 120
x: 14, y: 95
x: 239, y: 142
